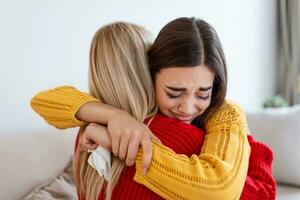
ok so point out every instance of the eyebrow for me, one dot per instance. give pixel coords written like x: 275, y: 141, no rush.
x: 184, y: 89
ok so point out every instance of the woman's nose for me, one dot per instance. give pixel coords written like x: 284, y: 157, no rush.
x: 187, y: 107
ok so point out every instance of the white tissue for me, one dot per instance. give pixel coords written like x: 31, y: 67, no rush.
x: 100, y: 159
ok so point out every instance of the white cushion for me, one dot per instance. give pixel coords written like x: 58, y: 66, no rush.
x: 280, y: 129
x: 32, y: 159
x: 63, y: 187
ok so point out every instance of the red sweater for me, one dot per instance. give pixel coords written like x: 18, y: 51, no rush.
x: 260, y: 183
x: 188, y: 139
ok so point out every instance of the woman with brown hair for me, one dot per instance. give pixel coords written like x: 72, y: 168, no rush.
x: 189, y: 73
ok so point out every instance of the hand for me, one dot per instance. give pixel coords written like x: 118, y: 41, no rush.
x: 95, y: 135
x: 127, y: 135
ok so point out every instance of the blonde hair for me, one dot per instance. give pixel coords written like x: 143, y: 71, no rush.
x: 119, y: 76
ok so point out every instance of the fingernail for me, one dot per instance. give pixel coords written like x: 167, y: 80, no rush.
x: 144, y: 171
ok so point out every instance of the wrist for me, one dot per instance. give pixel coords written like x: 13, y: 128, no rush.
x: 113, y: 112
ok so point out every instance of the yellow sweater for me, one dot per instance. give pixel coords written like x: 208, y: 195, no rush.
x: 219, y: 172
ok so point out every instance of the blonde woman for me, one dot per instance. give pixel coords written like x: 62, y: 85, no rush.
x: 213, y: 174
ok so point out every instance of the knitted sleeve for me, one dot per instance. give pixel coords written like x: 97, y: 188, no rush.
x: 219, y: 172
x: 260, y: 183
x: 58, y: 106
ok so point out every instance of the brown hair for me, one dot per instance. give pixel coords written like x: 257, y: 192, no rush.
x: 190, y: 42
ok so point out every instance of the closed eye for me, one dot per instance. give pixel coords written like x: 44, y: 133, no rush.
x: 204, y: 98
x: 173, y: 96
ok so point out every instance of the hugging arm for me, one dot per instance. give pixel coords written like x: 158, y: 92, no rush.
x: 219, y: 172
x: 66, y: 107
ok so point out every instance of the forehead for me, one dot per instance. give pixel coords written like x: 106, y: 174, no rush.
x: 186, y: 76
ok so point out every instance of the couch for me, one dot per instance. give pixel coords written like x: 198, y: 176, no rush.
x: 37, y: 165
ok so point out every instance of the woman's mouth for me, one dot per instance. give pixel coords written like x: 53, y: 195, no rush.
x: 184, y: 118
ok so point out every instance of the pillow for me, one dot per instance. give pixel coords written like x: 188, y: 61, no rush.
x: 63, y: 187
x: 280, y: 129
